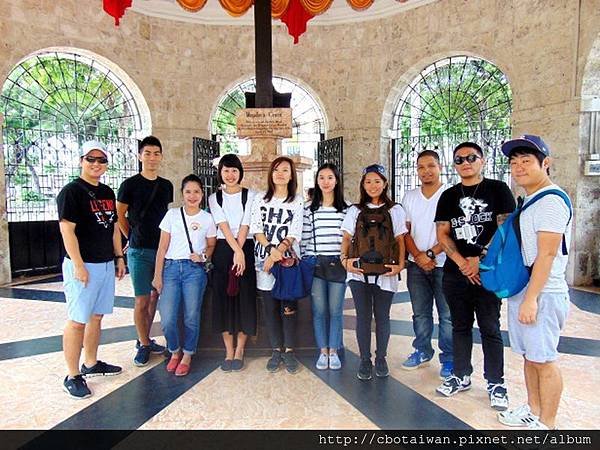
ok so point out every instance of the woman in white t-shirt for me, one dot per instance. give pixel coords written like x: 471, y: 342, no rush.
x: 187, y: 241
x: 373, y: 295
x: 276, y: 223
x: 234, y: 314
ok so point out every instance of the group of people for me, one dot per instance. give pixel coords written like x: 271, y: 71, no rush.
x: 443, y: 230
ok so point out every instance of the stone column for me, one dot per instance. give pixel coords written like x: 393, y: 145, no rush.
x: 263, y: 152
x: 4, y: 243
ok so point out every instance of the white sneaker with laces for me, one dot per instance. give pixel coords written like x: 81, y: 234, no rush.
x: 453, y: 385
x: 323, y: 361
x: 517, y: 417
x: 498, y: 396
x: 334, y: 362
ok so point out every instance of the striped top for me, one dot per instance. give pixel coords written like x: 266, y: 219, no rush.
x: 327, y: 222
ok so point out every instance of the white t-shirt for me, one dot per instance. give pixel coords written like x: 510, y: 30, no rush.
x: 420, y: 212
x: 551, y: 214
x: 276, y: 220
x: 232, y: 211
x: 387, y: 283
x: 200, y: 227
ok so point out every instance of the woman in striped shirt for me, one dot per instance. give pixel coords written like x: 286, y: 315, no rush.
x: 322, y: 237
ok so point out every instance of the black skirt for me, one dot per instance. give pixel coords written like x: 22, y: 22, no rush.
x: 234, y: 314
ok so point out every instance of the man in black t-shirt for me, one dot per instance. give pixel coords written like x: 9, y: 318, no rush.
x: 467, y: 217
x: 87, y: 216
x: 142, y: 202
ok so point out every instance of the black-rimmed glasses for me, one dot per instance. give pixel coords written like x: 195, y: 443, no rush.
x: 458, y: 160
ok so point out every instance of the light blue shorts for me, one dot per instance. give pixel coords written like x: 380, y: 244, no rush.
x: 97, y: 297
x: 538, y: 342
x: 141, y: 263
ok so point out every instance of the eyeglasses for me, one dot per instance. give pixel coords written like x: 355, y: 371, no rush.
x: 377, y: 168
x: 458, y: 160
x: 98, y: 159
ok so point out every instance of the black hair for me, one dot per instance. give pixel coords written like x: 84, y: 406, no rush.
x: 292, y: 185
x: 431, y: 153
x: 230, y: 160
x: 192, y: 178
x: 149, y: 140
x: 468, y: 144
x: 366, y: 198
x: 521, y: 151
x: 338, y: 191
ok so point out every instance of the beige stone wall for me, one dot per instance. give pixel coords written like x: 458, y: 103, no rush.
x: 4, y: 248
x: 356, y: 70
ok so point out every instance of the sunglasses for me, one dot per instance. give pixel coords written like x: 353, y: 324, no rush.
x: 98, y: 159
x: 458, y: 160
x: 377, y: 168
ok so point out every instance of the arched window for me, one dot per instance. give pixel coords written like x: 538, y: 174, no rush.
x: 52, y: 102
x: 453, y: 100
x: 308, y: 122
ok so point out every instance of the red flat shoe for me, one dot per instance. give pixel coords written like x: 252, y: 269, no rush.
x: 173, y: 364
x: 182, y: 370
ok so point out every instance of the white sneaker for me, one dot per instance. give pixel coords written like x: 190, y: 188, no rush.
x: 453, y: 385
x: 517, y: 417
x: 323, y: 361
x: 334, y: 362
x: 498, y: 396
x: 537, y: 425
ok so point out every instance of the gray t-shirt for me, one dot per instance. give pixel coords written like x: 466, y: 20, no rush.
x: 551, y: 214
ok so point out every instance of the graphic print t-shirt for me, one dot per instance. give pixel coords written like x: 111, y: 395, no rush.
x: 472, y: 213
x: 135, y: 192
x: 277, y: 220
x: 94, y: 219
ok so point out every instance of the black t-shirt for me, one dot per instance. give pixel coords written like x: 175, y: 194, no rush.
x: 135, y: 192
x: 94, y: 218
x: 472, y: 211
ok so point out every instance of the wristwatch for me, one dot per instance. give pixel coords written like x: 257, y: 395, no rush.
x: 430, y: 254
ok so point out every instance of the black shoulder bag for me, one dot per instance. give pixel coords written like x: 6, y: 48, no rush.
x: 328, y: 268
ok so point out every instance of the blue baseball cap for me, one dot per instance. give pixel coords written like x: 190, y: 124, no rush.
x: 528, y: 141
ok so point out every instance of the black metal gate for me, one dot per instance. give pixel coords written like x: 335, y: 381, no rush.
x: 38, y: 164
x: 331, y: 151
x: 204, y: 152
x: 405, y: 152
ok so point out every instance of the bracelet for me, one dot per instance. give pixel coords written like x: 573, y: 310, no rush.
x: 119, y: 257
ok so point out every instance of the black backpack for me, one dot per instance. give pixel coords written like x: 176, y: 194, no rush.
x: 373, y: 241
x: 244, y: 198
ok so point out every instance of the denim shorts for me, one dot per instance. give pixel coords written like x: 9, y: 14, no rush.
x: 141, y: 263
x: 97, y: 297
x: 538, y: 342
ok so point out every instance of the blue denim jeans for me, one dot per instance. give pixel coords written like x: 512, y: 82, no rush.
x: 327, y: 311
x: 423, y: 288
x: 183, y: 291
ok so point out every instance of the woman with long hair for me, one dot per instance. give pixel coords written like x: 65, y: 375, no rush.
x: 322, y: 237
x: 373, y: 294
x: 276, y: 223
x: 187, y: 241
x: 234, y: 313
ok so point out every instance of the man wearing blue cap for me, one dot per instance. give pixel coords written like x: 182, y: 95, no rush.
x: 537, y: 314
x: 87, y: 217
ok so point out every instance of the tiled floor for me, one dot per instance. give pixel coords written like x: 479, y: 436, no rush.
x: 32, y: 366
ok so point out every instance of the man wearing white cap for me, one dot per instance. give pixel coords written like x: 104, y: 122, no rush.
x: 87, y: 217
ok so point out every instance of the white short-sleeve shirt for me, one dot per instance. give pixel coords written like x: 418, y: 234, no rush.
x: 420, y: 212
x: 231, y: 212
x: 386, y: 283
x: 200, y: 226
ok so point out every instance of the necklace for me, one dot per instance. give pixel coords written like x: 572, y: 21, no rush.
x: 475, y: 192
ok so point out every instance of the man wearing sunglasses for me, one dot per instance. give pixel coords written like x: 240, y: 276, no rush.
x: 467, y: 217
x: 87, y: 217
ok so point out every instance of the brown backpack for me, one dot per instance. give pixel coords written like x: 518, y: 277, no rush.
x: 373, y: 241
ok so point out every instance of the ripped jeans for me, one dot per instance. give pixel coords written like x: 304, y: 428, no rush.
x: 280, y: 320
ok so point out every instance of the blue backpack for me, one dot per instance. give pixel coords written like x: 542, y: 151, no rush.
x: 502, y: 270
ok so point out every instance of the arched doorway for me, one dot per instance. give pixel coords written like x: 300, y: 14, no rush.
x: 53, y: 101
x: 455, y: 99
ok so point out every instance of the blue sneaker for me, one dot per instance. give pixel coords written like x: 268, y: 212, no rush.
x: 446, y: 369
x: 415, y: 360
